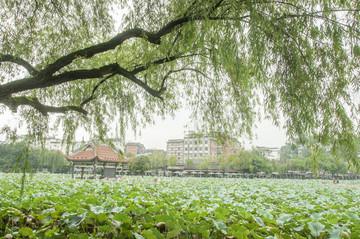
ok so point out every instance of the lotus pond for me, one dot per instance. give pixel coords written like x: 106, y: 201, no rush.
x: 55, y: 206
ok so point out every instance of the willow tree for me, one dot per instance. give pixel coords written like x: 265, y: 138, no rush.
x: 91, y: 62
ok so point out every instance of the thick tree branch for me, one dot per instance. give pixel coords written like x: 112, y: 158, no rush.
x: 98, y: 48
x: 131, y: 76
x: 17, y: 60
x: 47, y: 77
x: 14, y: 102
x: 36, y: 83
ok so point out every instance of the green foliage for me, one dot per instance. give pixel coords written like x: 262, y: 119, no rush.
x: 205, y: 162
x: 172, y: 160
x: 302, y: 158
x: 59, y: 207
x: 140, y: 164
x: 242, y: 161
x: 157, y: 160
x: 223, y: 60
x: 39, y: 159
x: 129, y: 155
x: 189, y: 163
x: 223, y: 160
x: 23, y: 158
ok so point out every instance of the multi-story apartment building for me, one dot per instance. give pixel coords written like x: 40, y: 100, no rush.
x: 176, y: 147
x: 197, y: 146
x: 135, y: 148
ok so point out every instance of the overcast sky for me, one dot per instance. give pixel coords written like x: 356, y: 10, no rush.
x: 155, y: 136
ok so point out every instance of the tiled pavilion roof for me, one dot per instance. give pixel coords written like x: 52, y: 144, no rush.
x: 106, y: 154
x: 99, y: 153
x: 85, y: 155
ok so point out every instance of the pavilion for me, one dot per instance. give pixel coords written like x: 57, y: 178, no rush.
x: 100, y: 156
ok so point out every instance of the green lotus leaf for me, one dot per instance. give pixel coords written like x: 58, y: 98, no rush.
x: 316, y: 228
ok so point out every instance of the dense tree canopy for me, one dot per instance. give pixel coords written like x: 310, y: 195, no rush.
x: 96, y: 61
x: 172, y: 161
x: 140, y: 164
x: 297, y: 158
x: 39, y: 159
x: 157, y: 160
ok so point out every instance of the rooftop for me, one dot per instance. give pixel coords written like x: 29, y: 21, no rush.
x: 102, y: 153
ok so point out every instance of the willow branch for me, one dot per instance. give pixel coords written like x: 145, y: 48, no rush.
x: 174, y: 42
x: 152, y: 37
x: 46, y: 77
x: 92, y: 96
x: 162, y: 88
x: 20, y: 62
x: 14, y: 102
x: 141, y: 68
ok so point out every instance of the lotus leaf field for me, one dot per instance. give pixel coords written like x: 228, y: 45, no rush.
x: 55, y: 206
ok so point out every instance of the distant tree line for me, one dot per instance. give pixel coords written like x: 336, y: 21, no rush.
x: 40, y: 159
x: 299, y: 158
x: 292, y: 159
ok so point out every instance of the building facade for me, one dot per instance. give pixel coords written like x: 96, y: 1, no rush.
x: 175, y: 147
x: 135, y: 148
x: 229, y: 147
x: 196, y: 146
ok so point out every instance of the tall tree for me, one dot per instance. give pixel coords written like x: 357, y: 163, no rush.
x: 189, y: 163
x: 140, y: 164
x: 157, y: 160
x: 223, y: 160
x: 205, y: 162
x: 242, y: 161
x: 226, y: 59
x: 172, y: 160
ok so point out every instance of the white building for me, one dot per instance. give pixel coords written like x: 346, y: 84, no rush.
x: 176, y: 147
x: 196, y: 146
x: 270, y: 153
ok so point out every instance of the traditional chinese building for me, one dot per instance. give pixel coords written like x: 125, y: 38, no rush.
x: 94, y: 157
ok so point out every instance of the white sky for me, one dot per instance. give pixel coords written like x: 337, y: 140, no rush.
x: 155, y: 136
